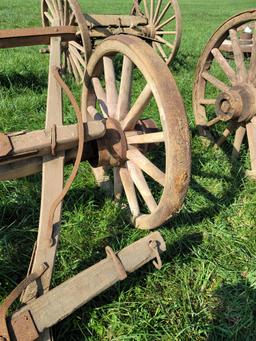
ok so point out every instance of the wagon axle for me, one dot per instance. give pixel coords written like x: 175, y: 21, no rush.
x: 112, y: 133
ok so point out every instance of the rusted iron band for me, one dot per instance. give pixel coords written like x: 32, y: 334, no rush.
x: 118, y: 264
x: 12, y: 297
x: 154, y: 247
x: 81, y: 139
x: 53, y: 139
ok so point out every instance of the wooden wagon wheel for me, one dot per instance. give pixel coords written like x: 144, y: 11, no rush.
x: 68, y: 13
x: 145, y: 81
x: 164, y: 25
x: 225, y: 90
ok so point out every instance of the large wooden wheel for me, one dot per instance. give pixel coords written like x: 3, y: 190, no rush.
x: 164, y: 25
x: 68, y: 13
x: 125, y: 82
x: 225, y: 90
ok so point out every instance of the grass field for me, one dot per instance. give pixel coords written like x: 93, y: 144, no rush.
x: 206, y: 289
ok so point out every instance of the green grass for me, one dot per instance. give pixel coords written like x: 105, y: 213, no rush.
x: 206, y: 289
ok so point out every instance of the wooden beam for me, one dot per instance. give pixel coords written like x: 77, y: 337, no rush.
x: 63, y: 300
x: 35, y: 36
x: 39, y: 143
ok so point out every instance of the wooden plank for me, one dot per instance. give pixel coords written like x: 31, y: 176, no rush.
x: 35, y: 36
x: 39, y: 142
x: 108, y: 20
x: 61, y: 301
x: 21, y: 168
x: 52, y: 185
x: 251, y: 134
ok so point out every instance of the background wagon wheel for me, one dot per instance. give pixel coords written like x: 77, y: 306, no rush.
x: 164, y: 25
x: 123, y: 86
x: 245, y: 34
x: 68, y: 13
x: 225, y: 90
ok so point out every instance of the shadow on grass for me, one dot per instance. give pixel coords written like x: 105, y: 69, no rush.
x: 235, y: 316
x: 216, y: 203
x: 34, y: 81
x: 68, y: 330
x: 184, y: 61
x: 19, y: 240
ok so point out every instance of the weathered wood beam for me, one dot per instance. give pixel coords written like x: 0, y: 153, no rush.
x: 63, y: 300
x: 35, y: 36
x: 41, y: 142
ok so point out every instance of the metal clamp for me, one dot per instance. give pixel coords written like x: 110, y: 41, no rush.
x: 154, y: 247
x: 12, y: 297
x: 5, y: 145
x: 117, y: 263
x: 53, y: 139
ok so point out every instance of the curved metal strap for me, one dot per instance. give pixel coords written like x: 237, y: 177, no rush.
x: 158, y: 263
x: 73, y: 174
x: 4, y: 334
x: 118, y: 264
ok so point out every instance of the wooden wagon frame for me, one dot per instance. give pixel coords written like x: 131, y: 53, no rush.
x: 109, y: 133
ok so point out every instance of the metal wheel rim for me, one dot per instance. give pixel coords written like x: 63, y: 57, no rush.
x: 172, y: 114
x: 76, y: 55
x: 173, y: 4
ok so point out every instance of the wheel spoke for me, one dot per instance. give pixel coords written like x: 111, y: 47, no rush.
x: 161, y: 33
x: 157, y: 46
x: 213, y: 121
x: 165, y: 42
x: 165, y: 22
x: 78, y: 56
x: 111, y: 91
x: 124, y: 99
x: 142, y: 186
x: 51, y: 8
x: 231, y: 127
x: 101, y: 95
x: 72, y: 19
x: 68, y: 64
x: 118, y: 187
x: 238, y: 56
x: 77, y: 46
x: 49, y: 17
x: 159, y: 3
x: 65, y: 13
x: 146, y: 8
x: 60, y: 8
x: 74, y: 69
x: 224, y: 65
x: 206, y: 101
x: 251, y: 134
x: 239, y: 136
x: 146, y: 138
x: 252, y: 69
x: 137, y: 109
x: 77, y: 64
x: 146, y: 165
x: 93, y: 112
x: 215, y: 82
x: 130, y: 192
x: 151, y: 11
x: 162, y: 14
x: 56, y: 10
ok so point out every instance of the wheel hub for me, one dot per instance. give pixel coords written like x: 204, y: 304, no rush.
x: 112, y: 147
x: 149, y: 31
x: 238, y: 103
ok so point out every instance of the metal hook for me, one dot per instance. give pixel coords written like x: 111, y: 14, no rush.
x: 158, y: 263
x: 117, y: 263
